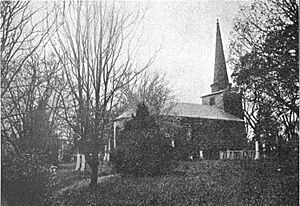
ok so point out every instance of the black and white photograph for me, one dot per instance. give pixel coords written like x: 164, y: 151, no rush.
x: 149, y: 102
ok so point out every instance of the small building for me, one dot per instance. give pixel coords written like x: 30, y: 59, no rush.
x: 207, y: 129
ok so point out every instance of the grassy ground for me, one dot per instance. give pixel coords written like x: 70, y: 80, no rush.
x: 196, y: 183
x: 66, y: 175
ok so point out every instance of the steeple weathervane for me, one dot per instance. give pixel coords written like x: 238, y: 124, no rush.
x: 220, y: 72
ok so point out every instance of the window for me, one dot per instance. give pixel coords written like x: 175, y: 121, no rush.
x: 212, y: 101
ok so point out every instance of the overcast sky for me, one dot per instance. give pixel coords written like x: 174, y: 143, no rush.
x: 186, y: 32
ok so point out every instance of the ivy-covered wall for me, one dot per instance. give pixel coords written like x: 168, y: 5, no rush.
x: 194, y: 134
x: 210, y: 136
x: 233, y: 104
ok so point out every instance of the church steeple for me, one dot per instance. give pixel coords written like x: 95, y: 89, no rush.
x: 220, y: 73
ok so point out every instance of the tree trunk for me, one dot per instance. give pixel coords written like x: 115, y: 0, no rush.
x: 93, y: 163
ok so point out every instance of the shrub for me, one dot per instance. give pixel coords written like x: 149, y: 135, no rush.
x: 25, y: 180
x: 142, y: 147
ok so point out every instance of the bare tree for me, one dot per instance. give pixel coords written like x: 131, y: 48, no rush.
x: 156, y: 93
x: 22, y: 34
x: 27, y: 79
x: 30, y: 119
x: 153, y: 90
x: 97, y: 49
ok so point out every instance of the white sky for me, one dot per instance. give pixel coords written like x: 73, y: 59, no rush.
x: 186, y: 32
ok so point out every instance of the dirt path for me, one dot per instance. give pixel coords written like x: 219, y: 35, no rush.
x: 82, y: 183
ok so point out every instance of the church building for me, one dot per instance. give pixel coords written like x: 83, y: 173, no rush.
x: 209, y: 128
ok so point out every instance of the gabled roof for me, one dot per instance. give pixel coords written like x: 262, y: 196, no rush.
x: 213, y: 93
x: 191, y: 111
x: 127, y: 114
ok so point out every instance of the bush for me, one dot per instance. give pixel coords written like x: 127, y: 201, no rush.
x: 142, y: 148
x: 25, y: 180
x: 142, y: 153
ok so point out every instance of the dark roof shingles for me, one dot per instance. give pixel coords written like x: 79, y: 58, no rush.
x: 191, y: 111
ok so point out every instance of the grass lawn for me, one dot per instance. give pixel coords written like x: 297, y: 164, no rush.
x: 197, y: 183
x: 66, y: 175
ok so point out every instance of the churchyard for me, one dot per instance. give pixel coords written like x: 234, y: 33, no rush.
x: 206, y: 182
x: 100, y: 103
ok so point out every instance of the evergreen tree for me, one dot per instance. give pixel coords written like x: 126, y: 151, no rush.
x: 143, y: 149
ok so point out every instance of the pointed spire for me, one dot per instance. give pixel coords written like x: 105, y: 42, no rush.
x: 220, y: 73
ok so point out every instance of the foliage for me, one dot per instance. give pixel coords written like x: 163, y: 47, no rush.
x: 26, y: 180
x: 264, y: 55
x: 142, y: 149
